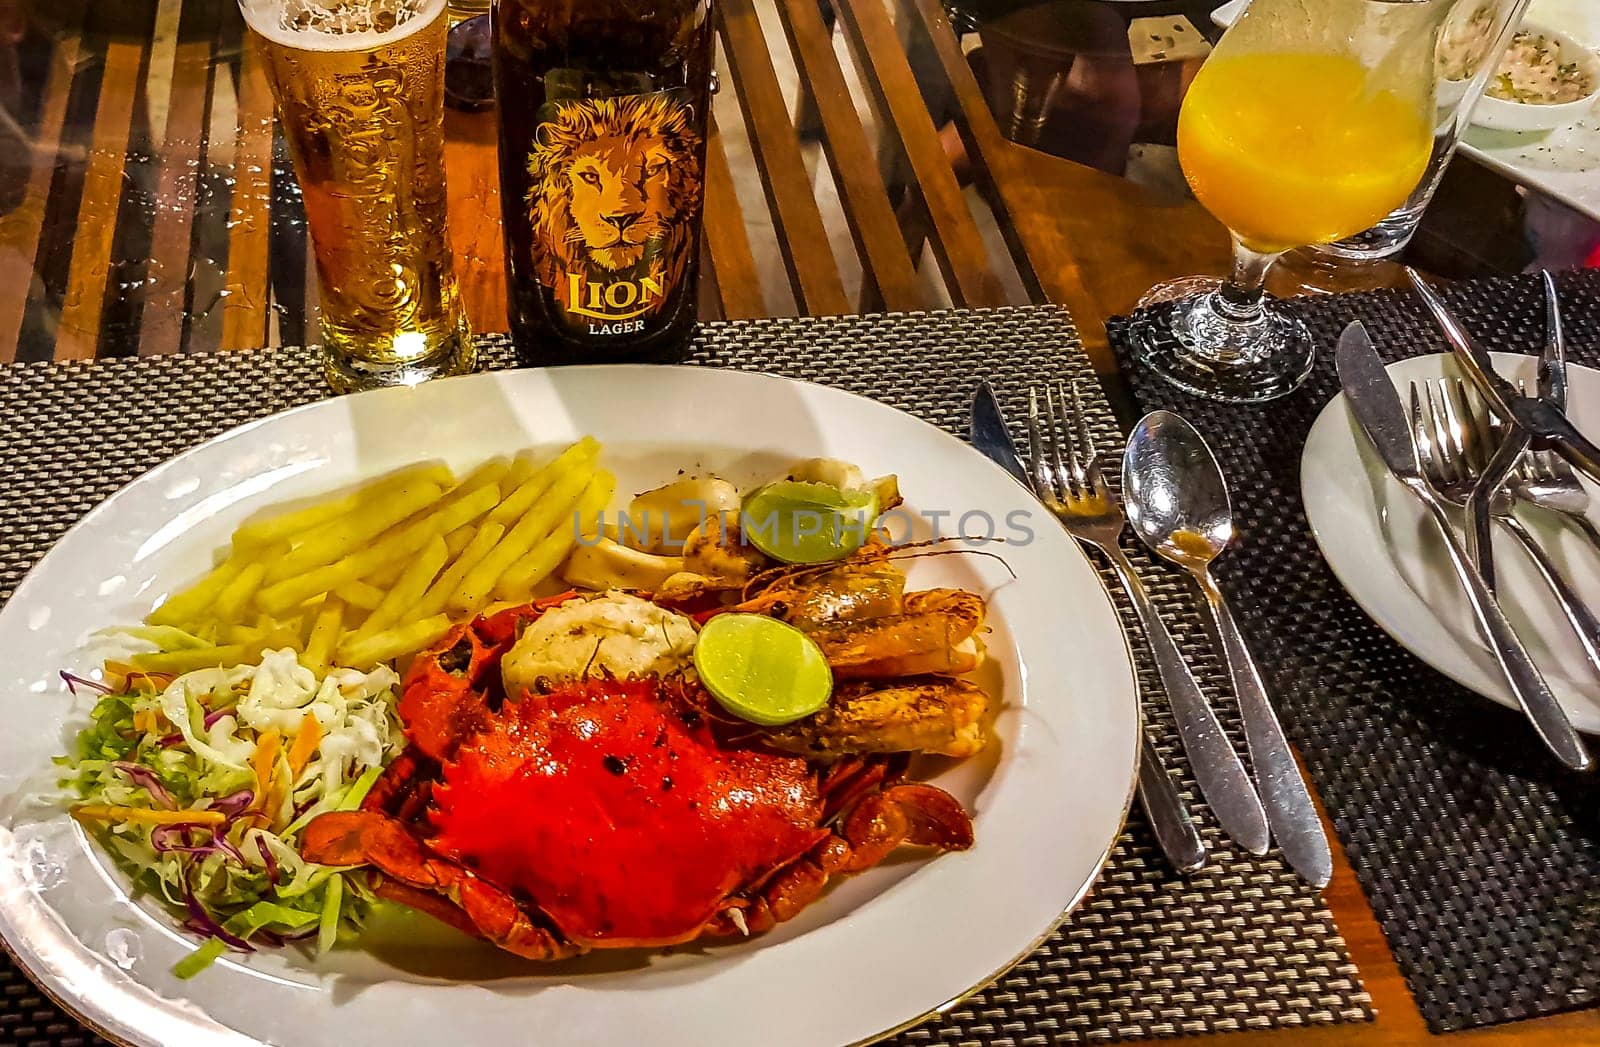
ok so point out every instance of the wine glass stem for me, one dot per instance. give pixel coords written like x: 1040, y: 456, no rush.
x: 1239, y: 297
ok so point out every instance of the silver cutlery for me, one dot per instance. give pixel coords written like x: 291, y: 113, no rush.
x: 1540, y: 416
x: 1453, y: 448
x: 1377, y: 409
x: 1177, y: 501
x: 1169, y: 816
x: 1517, y: 441
x: 1544, y: 479
x: 1074, y: 490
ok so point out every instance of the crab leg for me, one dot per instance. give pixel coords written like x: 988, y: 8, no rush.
x: 910, y: 812
x: 344, y: 838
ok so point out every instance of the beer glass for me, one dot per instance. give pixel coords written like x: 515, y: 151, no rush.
x: 360, y: 94
x: 1308, y: 123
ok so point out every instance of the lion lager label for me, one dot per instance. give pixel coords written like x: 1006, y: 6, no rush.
x: 603, y: 109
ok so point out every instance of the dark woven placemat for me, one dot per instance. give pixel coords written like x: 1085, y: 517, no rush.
x: 1243, y: 945
x: 1480, y: 855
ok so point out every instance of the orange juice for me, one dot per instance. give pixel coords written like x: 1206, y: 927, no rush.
x: 1294, y: 149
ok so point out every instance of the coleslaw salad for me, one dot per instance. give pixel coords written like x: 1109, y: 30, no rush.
x: 200, y: 783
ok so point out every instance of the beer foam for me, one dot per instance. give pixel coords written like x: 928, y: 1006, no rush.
x: 338, y: 25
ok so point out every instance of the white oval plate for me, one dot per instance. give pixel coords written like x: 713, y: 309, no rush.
x: 880, y: 951
x: 1392, y: 562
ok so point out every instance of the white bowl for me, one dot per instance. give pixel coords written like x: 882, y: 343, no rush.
x: 1526, y: 116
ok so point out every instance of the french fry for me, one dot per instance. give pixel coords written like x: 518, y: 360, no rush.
x: 392, y: 643
x: 289, y: 525
x: 491, y: 472
x: 407, y: 590
x: 231, y: 602
x: 181, y: 608
x: 360, y: 594
x: 522, y: 467
x: 339, y: 538
x: 518, y: 580
x: 325, y: 633
x: 403, y: 542
x: 523, y: 498
x: 433, y: 601
x: 385, y: 577
x: 190, y: 659
x: 459, y: 539
x: 476, y: 588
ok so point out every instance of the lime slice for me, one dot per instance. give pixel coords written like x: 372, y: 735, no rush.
x: 761, y: 669
x: 798, y: 522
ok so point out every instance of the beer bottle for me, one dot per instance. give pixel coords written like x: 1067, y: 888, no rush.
x: 603, y: 107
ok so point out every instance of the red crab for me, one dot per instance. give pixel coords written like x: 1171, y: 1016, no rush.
x: 609, y: 813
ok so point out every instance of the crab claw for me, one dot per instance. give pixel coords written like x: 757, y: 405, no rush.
x: 911, y: 812
x: 443, y: 699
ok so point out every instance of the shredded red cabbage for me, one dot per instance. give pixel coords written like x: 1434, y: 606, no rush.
x: 161, y: 839
x: 201, y: 922
x: 212, y: 717
x: 170, y: 740
x: 267, y: 859
x: 234, y: 804
x: 74, y: 681
x: 146, y: 779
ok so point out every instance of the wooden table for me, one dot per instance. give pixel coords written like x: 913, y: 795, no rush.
x: 146, y: 207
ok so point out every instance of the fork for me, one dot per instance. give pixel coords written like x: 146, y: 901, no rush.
x: 1545, y: 479
x: 1074, y: 489
x: 1454, y: 445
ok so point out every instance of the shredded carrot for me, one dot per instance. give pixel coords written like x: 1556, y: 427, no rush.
x: 305, y: 744
x: 121, y: 676
x: 110, y: 812
x: 264, y: 762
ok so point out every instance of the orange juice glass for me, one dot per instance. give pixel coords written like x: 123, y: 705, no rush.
x: 1308, y: 124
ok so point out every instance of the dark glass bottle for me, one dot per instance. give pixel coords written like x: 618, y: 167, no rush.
x: 603, y: 107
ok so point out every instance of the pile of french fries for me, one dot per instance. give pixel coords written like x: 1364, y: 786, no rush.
x: 384, y: 572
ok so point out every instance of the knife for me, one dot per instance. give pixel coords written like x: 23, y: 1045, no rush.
x: 1163, y: 804
x: 1376, y: 406
x: 991, y: 436
x: 1544, y: 419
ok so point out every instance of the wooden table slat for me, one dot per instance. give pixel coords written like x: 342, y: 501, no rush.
x: 802, y: 237
x: 1106, y: 234
x: 79, y: 334
x: 876, y: 229
x: 161, y: 326
x: 957, y: 243
x: 21, y: 228
x: 727, y: 244
x: 244, y: 311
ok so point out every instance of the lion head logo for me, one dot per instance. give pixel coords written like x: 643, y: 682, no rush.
x: 615, y: 182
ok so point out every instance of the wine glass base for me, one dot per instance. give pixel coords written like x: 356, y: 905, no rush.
x: 1197, y: 349
x: 1183, y: 287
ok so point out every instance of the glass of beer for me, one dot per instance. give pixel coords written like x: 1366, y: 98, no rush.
x: 360, y: 92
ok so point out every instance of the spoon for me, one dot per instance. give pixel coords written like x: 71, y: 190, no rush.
x: 1177, y: 502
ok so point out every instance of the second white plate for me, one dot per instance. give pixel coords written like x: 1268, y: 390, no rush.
x: 1390, y: 559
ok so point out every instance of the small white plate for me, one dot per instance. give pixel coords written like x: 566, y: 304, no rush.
x: 1389, y: 557
x: 877, y: 952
